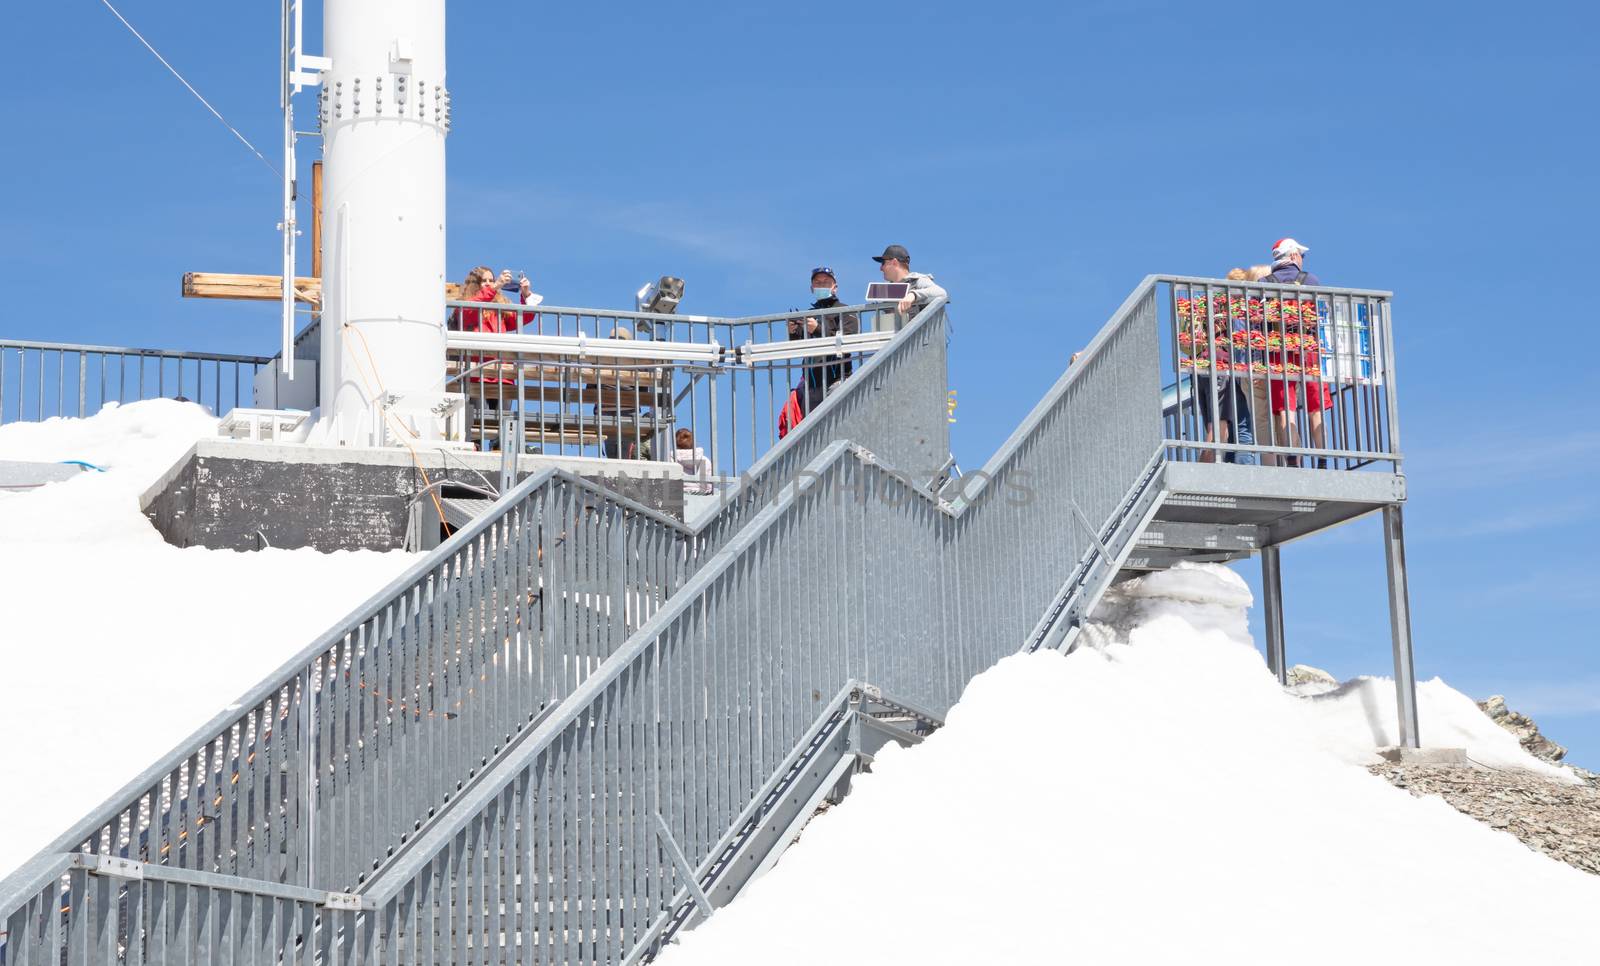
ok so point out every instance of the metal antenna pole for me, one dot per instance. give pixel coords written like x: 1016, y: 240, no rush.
x: 298, y: 71
x: 291, y: 43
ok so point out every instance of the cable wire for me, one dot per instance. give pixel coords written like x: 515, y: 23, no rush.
x: 244, y: 140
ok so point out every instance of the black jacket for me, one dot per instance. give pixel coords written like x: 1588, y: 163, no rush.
x: 830, y: 324
x: 821, y: 373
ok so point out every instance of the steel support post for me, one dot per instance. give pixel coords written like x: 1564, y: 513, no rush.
x: 509, y: 448
x: 1272, y: 589
x: 1405, y: 675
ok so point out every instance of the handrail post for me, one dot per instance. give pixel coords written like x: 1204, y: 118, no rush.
x: 308, y: 777
x: 1388, y: 381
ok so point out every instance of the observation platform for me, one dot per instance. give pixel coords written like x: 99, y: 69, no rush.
x: 1221, y: 512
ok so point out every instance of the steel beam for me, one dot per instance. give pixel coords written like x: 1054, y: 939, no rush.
x: 1405, y: 675
x: 1176, y: 535
x: 1272, y: 590
x: 1161, y: 558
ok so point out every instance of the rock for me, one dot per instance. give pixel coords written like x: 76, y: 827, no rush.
x: 1523, y: 727
x: 1306, y: 674
x: 1560, y: 820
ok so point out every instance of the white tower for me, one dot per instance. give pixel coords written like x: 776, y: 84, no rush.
x: 385, y: 112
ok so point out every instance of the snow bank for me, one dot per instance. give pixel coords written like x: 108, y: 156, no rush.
x: 117, y: 645
x: 135, y: 444
x: 1157, y: 799
x: 1350, y: 720
x: 1359, y: 715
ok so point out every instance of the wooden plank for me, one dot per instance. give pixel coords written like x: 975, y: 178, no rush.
x: 590, y: 426
x: 611, y: 397
x: 545, y: 433
x: 264, y: 288
x: 534, y: 373
x: 316, y: 219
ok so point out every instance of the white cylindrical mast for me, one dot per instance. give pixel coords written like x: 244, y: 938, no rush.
x: 385, y: 113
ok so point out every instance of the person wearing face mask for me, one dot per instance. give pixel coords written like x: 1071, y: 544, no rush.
x: 823, y: 373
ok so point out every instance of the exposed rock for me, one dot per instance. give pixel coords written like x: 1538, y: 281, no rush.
x: 1306, y: 674
x: 1524, y: 728
x: 1562, y: 821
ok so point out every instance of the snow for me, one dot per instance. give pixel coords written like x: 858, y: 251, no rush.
x: 1152, y: 797
x: 1359, y: 715
x: 1350, y: 720
x: 1155, y: 797
x: 117, y: 646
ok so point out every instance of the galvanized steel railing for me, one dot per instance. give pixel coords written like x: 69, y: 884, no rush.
x: 581, y: 839
x: 583, y: 382
x: 80, y: 909
x: 331, y: 763
x: 1290, y: 374
x: 322, y: 772
x: 39, y: 380
x: 574, y: 848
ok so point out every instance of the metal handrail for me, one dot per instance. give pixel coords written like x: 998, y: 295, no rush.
x: 370, y: 666
x: 917, y: 640
x: 1308, y: 370
x: 31, y: 390
x: 577, y: 389
x: 151, y: 802
x: 773, y: 608
x: 133, y: 351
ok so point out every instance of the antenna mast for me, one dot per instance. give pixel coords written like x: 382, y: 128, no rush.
x: 297, y: 71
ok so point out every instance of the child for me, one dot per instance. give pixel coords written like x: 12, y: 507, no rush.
x: 696, y: 467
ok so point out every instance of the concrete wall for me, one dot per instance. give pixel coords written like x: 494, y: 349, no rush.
x: 243, y: 496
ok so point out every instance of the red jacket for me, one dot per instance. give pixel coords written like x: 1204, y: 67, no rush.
x: 473, y: 320
x: 790, y: 415
x: 484, y: 320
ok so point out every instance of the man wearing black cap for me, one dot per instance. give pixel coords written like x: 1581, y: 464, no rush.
x: 896, y: 264
x: 823, y: 373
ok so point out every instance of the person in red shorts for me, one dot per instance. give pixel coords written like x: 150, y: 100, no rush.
x: 1299, y: 385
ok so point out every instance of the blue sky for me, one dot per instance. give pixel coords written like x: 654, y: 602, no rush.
x: 1038, y: 159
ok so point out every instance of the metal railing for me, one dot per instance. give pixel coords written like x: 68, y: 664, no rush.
x: 39, y: 380
x: 353, y: 748
x: 1278, y: 374
x: 584, y: 382
x: 78, y: 909
x: 574, y: 848
x: 580, y: 838
x: 330, y: 764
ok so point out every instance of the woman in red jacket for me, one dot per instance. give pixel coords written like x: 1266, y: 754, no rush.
x: 481, y: 286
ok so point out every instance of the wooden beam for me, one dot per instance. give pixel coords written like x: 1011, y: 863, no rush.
x: 263, y: 288
x: 259, y: 288
x: 316, y: 218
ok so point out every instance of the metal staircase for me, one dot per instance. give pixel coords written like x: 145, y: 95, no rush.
x: 580, y: 725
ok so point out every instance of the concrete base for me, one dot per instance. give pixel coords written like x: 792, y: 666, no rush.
x: 239, y: 495
x: 1426, y: 756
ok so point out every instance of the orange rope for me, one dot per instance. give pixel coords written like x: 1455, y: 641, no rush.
x: 427, y: 483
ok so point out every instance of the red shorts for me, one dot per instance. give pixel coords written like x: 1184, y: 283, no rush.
x: 1318, y: 395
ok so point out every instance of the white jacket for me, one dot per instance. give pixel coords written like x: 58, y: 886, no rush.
x: 696, y: 470
x: 923, y: 290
